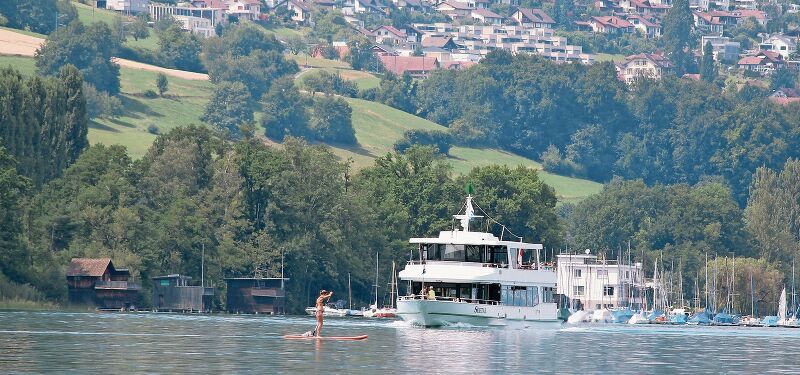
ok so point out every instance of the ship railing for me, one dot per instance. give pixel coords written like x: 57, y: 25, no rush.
x: 449, y: 299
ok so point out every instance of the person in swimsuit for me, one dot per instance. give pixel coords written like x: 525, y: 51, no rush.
x: 324, y: 295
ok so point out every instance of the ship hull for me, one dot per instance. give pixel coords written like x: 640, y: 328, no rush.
x: 430, y: 313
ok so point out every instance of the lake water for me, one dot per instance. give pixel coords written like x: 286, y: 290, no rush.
x: 89, y: 343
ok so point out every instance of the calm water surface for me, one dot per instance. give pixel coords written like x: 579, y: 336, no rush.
x: 89, y: 343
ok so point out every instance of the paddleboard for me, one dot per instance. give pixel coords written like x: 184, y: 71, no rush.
x: 300, y: 337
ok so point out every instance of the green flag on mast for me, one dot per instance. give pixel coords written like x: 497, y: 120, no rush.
x: 469, y: 189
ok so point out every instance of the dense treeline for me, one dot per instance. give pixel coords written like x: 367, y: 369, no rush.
x: 43, y: 122
x: 249, y: 206
x: 582, y: 120
x: 41, y: 16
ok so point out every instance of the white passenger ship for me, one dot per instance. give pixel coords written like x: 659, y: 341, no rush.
x: 478, y: 280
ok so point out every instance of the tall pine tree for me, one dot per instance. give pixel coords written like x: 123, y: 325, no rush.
x: 677, y: 36
x: 708, y: 72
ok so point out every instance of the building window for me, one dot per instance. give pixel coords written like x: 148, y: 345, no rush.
x: 602, y: 273
x: 577, y: 273
x: 578, y: 290
x: 627, y: 274
x: 608, y: 291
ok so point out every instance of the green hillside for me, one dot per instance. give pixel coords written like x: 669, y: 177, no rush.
x: 377, y: 126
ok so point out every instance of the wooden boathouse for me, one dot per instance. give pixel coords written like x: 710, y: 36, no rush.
x: 96, y: 282
x: 173, y: 293
x: 248, y: 295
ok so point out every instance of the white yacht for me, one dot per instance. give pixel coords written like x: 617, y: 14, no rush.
x: 477, y: 279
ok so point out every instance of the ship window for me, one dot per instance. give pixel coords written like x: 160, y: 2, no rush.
x: 533, y: 296
x: 473, y: 253
x: 453, y: 252
x: 499, y: 255
x: 547, y: 295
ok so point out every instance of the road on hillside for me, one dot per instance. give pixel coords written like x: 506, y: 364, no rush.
x: 17, y: 44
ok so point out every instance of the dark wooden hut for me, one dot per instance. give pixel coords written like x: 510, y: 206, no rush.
x: 256, y: 295
x: 173, y: 293
x: 96, y: 282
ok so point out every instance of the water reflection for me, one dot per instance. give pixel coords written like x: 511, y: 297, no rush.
x: 165, y: 343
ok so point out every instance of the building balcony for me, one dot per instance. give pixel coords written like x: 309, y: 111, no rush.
x: 277, y: 293
x: 117, y: 285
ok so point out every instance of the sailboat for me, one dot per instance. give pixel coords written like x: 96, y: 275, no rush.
x: 386, y: 311
x: 783, y: 319
x: 774, y: 321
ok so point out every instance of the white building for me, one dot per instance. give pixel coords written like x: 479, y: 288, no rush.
x: 200, y: 21
x: 782, y: 44
x: 595, y: 283
x: 128, y: 6
x: 724, y: 49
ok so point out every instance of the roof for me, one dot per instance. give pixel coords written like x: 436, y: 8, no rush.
x: 751, y: 60
x: 95, y: 267
x: 642, y: 20
x: 613, y: 21
x: 301, y: 5
x: 783, y: 101
x: 772, y: 55
x: 536, y: 15
x: 436, y: 41
x: 486, y: 13
x: 455, y: 5
x: 392, y: 30
x: 402, y: 64
x: 656, y: 59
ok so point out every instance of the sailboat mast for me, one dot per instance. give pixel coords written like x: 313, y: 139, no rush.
x: 349, y: 292
x: 376, y: 278
x: 706, y: 284
x: 752, y: 295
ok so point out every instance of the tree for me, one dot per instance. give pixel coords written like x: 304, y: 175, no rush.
x: 708, y: 71
x: 88, y: 48
x: 229, y: 108
x: 783, y: 77
x: 331, y: 120
x: 296, y: 44
x: 40, y: 16
x: 162, y: 83
x: 677, y: 27
x: 12, y: 246
x: 257, y: 70
x: 284, y: 110
x: 360, y: 55
x: 179, y: 49
x: 139, y: 28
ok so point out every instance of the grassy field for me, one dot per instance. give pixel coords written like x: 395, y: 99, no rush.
x: 89, y: 14
x: 26, y: 65
x: 377, y: 127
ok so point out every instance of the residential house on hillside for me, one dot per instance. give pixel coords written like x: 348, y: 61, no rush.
x: 198, y: 18
x: 96, y: 282
x: 644, y: 7
x: 127, y: 6
x: 536, y: 18
x: 723, y: 48
x: 300, y: 10
x: 611, y: 25
x: 762, y: 62
x: 389, y: 35
x: 649, y: 28
x: 416, y: 66
x: 782, y: 44
x: 455, y: 10
x: 245, y: 9
x: 645, y: 65
x: 443, y: 42
x: 486, y: 16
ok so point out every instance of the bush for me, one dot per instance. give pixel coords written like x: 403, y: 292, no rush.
x: 553, y: 161
x: 153, y: 129
x: 150, y: 94
x: 99, y: 104
x: 442, y: 140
